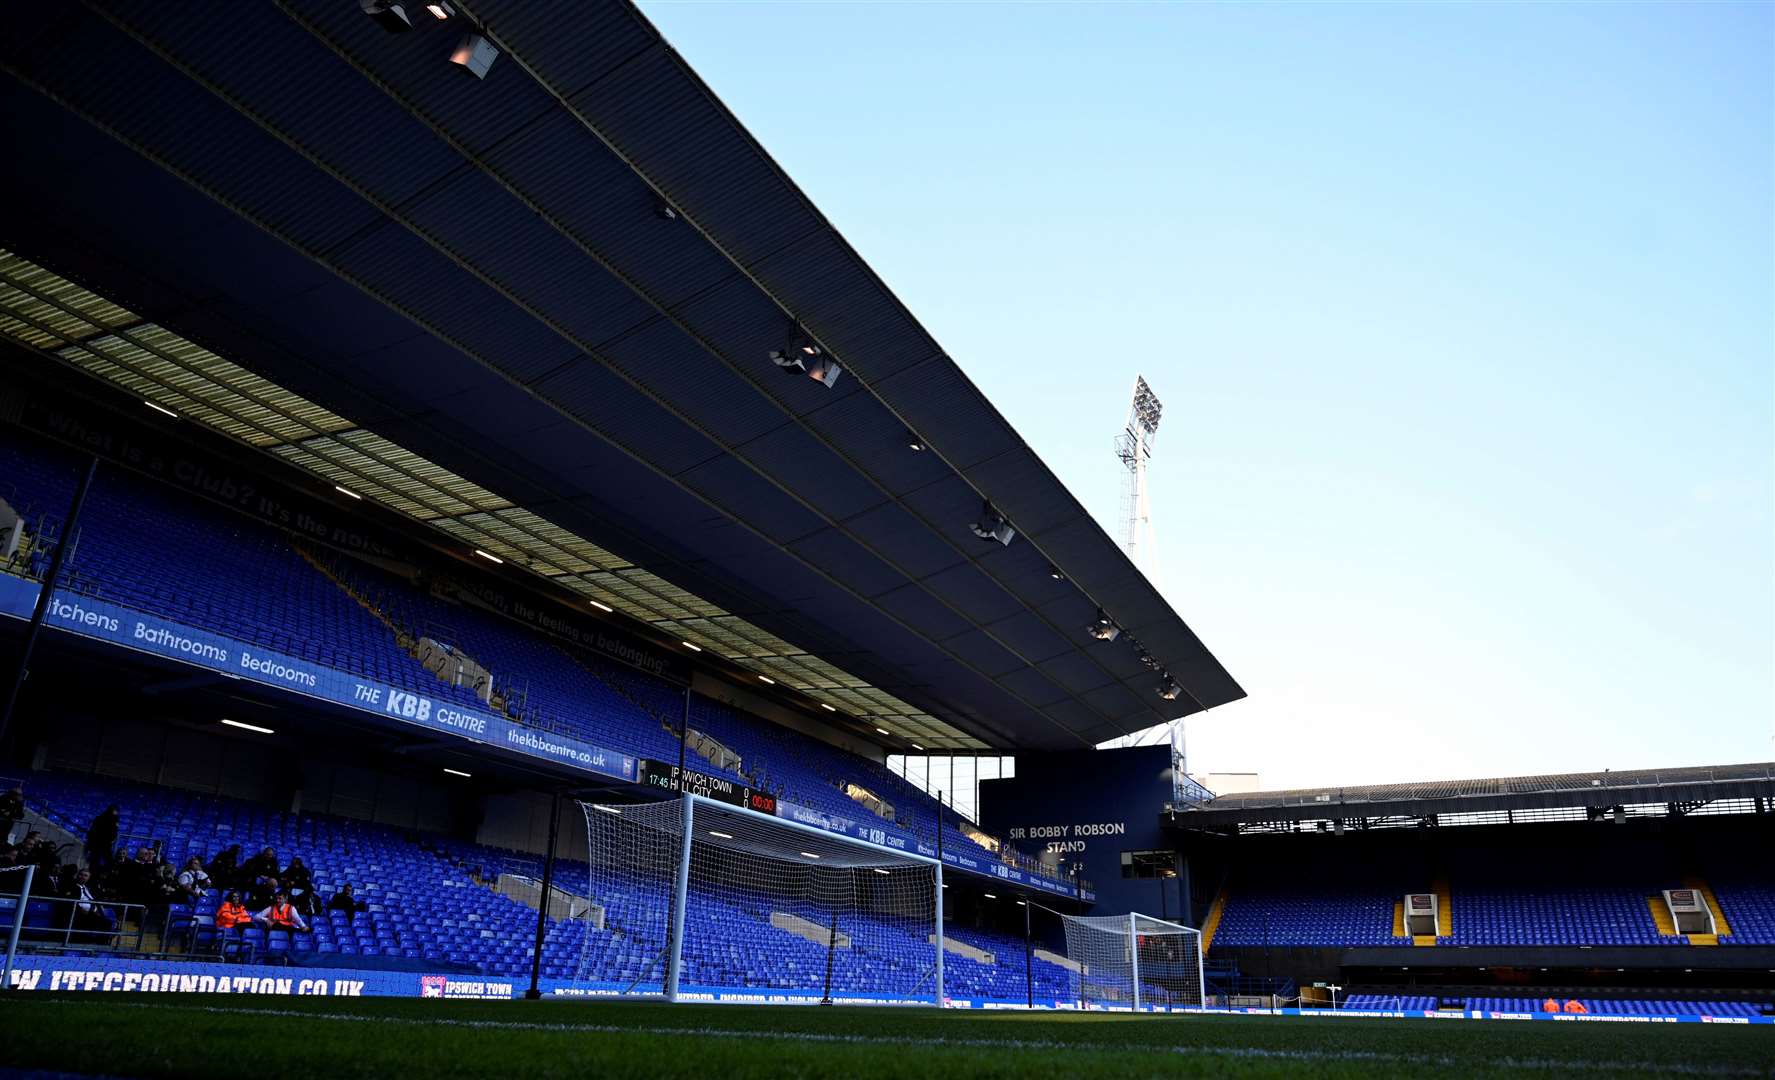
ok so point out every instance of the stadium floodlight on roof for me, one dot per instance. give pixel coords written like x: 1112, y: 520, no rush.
x: 1134, y: 448
x: 695, y: 899
x: 993, y: 526
x: 801, y: 356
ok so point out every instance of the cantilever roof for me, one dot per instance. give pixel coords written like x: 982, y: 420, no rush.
x: 1605, y: 788
x: 472, y: 276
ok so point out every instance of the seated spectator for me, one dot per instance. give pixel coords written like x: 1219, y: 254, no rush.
x: 263, y: 893
x: 232, y: 913
x: 90, y: 918
x: 41, y: 850
x: 259, y: 869
x: 344, y: 900
x: 280, y: 914
x: 194, y: 880
x: 1551, y: 1005
x: 12, y: 811
x: 225, y: 867
x: 298, y: 881
x: 1576, y: 1007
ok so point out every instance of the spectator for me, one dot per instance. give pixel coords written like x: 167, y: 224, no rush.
x: 280, y: 914
x: 259, y: 869
x: 344, y: 900
x: 1551, y: 1005
x: 12, y: 811
x: 194, y: 880
x: 232, y: 913
x: 261, y: 894
x: 298, y: 881
x: 101, y: 838
x: 41, y: 850
x: 89, y: 915
x: 225, y: 867
x: 1576, y: 1007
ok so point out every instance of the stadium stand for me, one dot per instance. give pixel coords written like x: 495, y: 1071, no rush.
x: 430, y: 899
x: 224, y: 573
x: 1591, y: 1006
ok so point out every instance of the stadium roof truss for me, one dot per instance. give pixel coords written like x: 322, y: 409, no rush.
x: 534, y: 311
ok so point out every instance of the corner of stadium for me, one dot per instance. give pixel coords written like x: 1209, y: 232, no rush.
x: 506, y: 495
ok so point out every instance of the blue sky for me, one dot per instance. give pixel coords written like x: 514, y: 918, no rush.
x: 1461, y: 315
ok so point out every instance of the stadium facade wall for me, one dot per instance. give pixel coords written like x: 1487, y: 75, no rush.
x: 1089, y: 807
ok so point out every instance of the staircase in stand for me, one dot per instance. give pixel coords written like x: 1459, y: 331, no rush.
x: 1212, y: 922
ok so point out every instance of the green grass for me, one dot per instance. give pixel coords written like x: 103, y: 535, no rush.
x: 206, y: 1036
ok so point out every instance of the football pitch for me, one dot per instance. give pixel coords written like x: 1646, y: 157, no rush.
x: 192, y: 1036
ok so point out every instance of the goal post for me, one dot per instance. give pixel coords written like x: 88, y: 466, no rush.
x: 696, y: 899
x: 1134, y: 961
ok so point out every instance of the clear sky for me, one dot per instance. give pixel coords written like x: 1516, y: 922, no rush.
x: 1461, y: 316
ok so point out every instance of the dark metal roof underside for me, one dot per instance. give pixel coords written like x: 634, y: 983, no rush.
x: 474, y: 271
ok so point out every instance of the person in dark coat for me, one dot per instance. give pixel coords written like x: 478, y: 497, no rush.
x: 101, y: 839
x: 224, y: 869
x: 344, y: 900
x: 259, y: 869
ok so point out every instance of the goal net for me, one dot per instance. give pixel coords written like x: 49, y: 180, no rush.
x: 752, y: 908
x: 1133, y: 961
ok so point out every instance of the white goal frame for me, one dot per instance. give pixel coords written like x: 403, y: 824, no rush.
x: 1128, y: 930
x: 696, y: 813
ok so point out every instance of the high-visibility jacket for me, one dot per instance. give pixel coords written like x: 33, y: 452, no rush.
x: 229, y: 916
x: 1575, y: 1006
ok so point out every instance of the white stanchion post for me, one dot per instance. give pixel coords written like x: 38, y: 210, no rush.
x: 941, y: 1000
x: 681, y: 894
x: 1134, y: 955
x: 18, y: 924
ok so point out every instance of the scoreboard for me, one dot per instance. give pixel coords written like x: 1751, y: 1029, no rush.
x: 668, y: 777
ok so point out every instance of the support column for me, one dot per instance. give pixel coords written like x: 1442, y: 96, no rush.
x: 542, y: 907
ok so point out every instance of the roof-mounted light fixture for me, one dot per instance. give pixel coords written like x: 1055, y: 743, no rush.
x: 389, y: 14
x: 802, y: 356
x: 993, y: 525
x: 475, y: 54
x: 1103, y: 628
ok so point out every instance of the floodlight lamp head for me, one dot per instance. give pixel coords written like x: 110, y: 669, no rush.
x: 1169, y: 689
x: 801, y: 356
x: 475, y: 54
x: 993, y: 526
x: 1146, y: 405
x: 391, y: 15
x: 1103, y: 628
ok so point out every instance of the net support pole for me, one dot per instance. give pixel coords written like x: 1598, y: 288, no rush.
x: 1134, y: 955
x: 18, y: 924
x: 941, y: 1000
x: 542, y: 904
x: 1028, y: 955
x: 51, y: 579
x: 1201, y: 973
x: 831, y: 949
x: 680, y: 894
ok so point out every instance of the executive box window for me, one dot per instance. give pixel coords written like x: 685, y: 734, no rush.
x: 1149, y: 864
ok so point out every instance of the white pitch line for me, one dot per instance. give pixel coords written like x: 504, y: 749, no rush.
x: 1540, y: 1064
